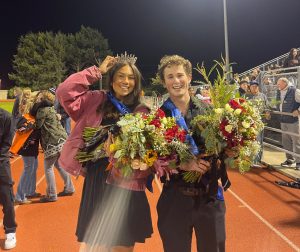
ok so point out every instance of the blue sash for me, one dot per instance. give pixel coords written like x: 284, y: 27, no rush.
x: 181, y: 122
x: 168, y: 104
x: 124, y: 110
x: 118, y: 105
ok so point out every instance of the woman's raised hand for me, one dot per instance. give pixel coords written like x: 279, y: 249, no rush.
x: 107, y: 63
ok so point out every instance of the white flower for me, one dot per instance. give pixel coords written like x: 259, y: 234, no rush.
x: 237, y: 111
x: 219, y: 110
x: 135, y: 164
x: 141, y: 125
x: 245, y: 124
x: 143, y: 166
x: 228, y: 128
x: 228, y: 108
x: 254, y: 131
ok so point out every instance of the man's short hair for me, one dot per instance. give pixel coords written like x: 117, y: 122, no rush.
x: 169, y: 60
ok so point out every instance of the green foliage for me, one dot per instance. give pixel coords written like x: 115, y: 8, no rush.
x: 156, y: 80
x: 220, y: 90
x: 39, y: 62
x: 10, y: 93
x: 157, y: 89
x: 44, y: 59
x: 85, y: 48
x: 156, y: 86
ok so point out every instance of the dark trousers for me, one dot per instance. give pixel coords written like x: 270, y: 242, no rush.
x: 179, y: 214
x: 7, y: 201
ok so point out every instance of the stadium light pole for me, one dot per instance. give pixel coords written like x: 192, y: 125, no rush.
x: 226, y: 41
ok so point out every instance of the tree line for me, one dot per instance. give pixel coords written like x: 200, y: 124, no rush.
x: 45, y: 59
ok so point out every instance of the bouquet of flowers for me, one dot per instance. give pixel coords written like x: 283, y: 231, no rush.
x: 231, y: 124
x: 95, y: 139
x: 143, y: 138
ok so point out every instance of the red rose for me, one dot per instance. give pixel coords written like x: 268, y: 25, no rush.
x: 160, y: 113
x: 181, y: 135
x: 156, y: 123
x: 234, y: 104
x: 171, y: 133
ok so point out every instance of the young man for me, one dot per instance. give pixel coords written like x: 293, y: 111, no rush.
x: 184, y: 206
x: 6, y: 183
x: 261, y: 101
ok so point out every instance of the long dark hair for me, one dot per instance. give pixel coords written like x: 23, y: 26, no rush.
x: 132, y: 99
x: 290, y: 56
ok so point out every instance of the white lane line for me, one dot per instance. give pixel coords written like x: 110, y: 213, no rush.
x: 282, y: 236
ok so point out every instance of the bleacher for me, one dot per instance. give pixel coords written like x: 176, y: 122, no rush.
x: 270, y: 72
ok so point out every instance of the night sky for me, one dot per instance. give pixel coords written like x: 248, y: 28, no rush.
x: 259, y: 30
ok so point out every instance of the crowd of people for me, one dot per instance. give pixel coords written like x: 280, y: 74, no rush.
x: 34, y: 122
x: 43, y: 119
x: 284, y: 98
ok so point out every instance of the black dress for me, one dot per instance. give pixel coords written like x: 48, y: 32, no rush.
x: 110, y: 215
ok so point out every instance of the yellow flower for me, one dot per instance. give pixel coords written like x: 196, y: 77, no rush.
x: 113, y: 147
x: 150, y: 157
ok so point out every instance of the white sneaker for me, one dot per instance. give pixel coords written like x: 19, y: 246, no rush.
x: 10, y: 241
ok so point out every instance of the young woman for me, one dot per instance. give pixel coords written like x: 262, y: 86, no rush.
x: 293, y: 59
x: 53, y: 137
x: 122, y: 213
x: 29, y: 151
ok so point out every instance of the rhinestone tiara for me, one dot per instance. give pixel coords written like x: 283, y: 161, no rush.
x: 123, y: 58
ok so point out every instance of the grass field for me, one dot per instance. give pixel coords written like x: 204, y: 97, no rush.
x: 7, y: 106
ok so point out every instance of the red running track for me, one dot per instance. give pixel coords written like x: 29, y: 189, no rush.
x: 261, y: 216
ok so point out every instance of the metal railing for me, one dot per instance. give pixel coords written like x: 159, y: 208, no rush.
x: 281, y: 131
x: 263, y: 66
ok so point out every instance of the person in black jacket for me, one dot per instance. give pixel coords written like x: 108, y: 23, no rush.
x: 6, y: 183
x: 182, y: 206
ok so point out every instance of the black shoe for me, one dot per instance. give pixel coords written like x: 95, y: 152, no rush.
x: 65, y: 193
x: 297, y: 167
x: 35, y: 195
x: 287, y: 163
x: 291, y: 184
x: 46, y: 199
